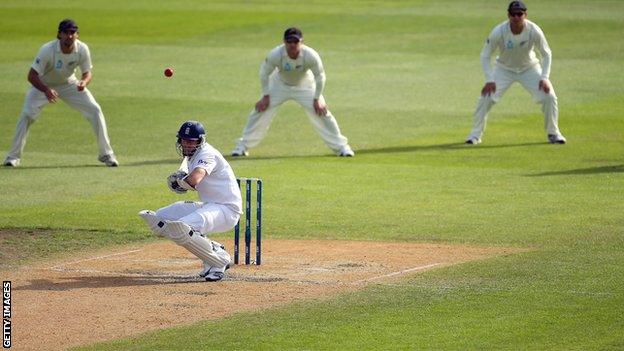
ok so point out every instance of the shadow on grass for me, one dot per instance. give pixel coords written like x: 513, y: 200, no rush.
x: 393, y: 149
x: 81, y: 282
x: 383, y: 150
x: 451, y: 146
x: 122, y: 164
x: 582, y: 171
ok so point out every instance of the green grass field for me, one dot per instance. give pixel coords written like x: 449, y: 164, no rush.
x: 403, y: 79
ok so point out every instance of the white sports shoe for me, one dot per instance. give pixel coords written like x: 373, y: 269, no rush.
x: 240, y: 151
x: 346, y: 152
x: 11, y: 162
x: 109, y: 160
x: 473, y: 141
x: 211, y: 273
x: 556, y: 139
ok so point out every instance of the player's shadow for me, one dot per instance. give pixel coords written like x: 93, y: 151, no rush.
x: 393, y: 149
x: 449, y: 146
x: 582, y: 171
x: 172, y: 161
x: 96, y: 282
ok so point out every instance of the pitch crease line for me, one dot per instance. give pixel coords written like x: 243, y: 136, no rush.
x: 396, y: 273
x: 95, y: 258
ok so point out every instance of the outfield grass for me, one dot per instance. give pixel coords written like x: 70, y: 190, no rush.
x: 403, y: 79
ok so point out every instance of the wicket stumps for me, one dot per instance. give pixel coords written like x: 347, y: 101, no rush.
x: 248, y: 219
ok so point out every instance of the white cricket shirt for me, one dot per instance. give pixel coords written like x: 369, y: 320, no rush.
x: 516, y: 52
x: 56, y: 68
x: 305, y: 67
x: 219, y: 185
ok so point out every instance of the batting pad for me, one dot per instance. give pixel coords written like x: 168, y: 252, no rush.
x: 199, y: 246
x: 152, y: 221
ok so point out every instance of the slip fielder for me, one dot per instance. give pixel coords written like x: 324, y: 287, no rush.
x: 517, y: 39
x: 292, y: 71
x: 52, y: 78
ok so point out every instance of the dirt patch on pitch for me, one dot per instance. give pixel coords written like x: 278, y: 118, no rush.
x: 118, y: 293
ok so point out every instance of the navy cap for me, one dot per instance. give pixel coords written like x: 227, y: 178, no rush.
x: 67, y: 24
x: 293, y: 33
x: 517, y: 6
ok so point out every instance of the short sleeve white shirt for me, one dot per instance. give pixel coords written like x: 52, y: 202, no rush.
x: 219, y: 185
x: 57, y: 68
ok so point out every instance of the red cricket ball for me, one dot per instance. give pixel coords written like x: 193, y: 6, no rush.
x: 168, y: 72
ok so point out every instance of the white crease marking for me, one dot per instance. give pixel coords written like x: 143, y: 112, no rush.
x: 420, y: 268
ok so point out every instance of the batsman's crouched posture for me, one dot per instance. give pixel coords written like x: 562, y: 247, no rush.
x: 186, y: 222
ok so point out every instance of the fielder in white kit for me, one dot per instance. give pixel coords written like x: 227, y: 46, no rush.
x: 517, y: 39
x: 52, y: 76
x: 186, y: 222
x: 292, y: 71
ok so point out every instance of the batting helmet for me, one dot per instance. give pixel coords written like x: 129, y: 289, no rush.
x: 192, y: 131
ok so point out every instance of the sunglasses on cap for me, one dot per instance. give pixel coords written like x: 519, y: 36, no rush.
x: 516, y: 14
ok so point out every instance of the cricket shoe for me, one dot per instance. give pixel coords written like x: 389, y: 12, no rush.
x: 473, y: 141
x: 556, y: 139
x: 153, y: 222
x: 109, y: 160
x: 240, y: 151
x: 346, y: 151
x: 213, y: 274
x: 11, y: 162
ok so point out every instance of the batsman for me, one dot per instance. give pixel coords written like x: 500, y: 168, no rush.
x: 187, y: 223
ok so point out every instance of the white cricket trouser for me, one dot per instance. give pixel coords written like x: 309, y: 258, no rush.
x: 206, y: 218
x: 259, y: 122
x: 82, y: 101
x: 530, y: 81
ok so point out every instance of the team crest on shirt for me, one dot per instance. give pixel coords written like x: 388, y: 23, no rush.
x: 59, y: 64
x: 509, y: 44
x: 287, y: 67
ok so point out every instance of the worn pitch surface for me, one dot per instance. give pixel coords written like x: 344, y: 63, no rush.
x: 129, y: 290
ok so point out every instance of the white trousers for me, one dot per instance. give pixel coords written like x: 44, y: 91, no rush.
x: 206, y: 218
x: 259, y: 122
x: 82, y: 101
x: 530, y: 81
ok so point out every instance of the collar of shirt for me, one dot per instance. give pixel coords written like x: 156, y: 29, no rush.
x: 57, y: 47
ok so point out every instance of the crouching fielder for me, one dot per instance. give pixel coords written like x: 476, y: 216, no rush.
x: 203, y: 170
x: 517, y: 39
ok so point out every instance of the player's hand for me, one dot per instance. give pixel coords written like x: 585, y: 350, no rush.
x: 488, y: 89
x: 172, y: 181
x: 320, y: 108
x: 51, y: 95
x: 263, y: 103
x: 544, y: 85
x: 81, y: 85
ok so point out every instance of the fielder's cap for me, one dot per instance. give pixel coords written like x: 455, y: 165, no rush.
x: 293, y: 33
x: 517, y: 6
x: 67, y: 24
